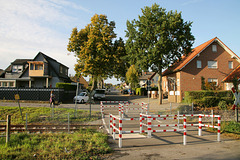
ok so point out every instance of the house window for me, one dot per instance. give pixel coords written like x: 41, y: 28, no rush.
x: 199, y: 64
x: 11, y: 84
x: 212, y: 64
x: 230, y: 64
x: 38, y: 67
x: 214, y: 48
x: 4, y: 84
x: 17, y: 68
x: 213, y: 80
x: 31, y: 66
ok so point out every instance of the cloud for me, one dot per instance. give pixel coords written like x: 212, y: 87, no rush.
x: 27, y: 27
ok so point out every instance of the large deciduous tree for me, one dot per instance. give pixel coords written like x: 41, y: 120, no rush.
x: 94, y: 48
x: 157, y: 40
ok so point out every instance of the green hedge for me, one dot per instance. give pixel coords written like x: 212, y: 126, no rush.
x: 66, y: 86
x: 208, y: 98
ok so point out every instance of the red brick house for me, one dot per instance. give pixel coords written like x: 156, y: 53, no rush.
x: 212, y: 60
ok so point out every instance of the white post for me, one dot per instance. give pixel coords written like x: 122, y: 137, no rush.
x: 212, y: 117
x: 149, y: 126
x: 114, y: 125
x: 120, y: 132
x: 110, y: 124
x: 140, y: 120
x: 219, y: 129
x: 184, y: 132
x: 170, y: 107
x: 178, y: 119
x: 200, y: 126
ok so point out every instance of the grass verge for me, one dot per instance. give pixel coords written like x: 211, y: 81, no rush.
x: 85, y: 144
x: 46, y: 115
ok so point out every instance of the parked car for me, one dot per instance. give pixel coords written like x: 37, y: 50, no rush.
x: 81, y: 98
x: 125, y: 91
x: 99, y: 94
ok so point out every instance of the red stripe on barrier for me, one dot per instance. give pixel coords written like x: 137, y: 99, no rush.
x: 154, y: 130
x: 219, y: 131
x: 219, y: 124
x: 159, y: 125
x: 140, y: 125
x: 154, y: 118
x: 120, y: 128
x: 164, y: 130
x: 167, y: 115
x: 184, y: 115
x: 175, y: 130
x: 131, y: 119
x: 219, y: 118
x: 164, y: 118
x: 185, y: 133
x: 120, y: 136
x: 159, y: 115
x: 143, y: 131
x: 149, y: 129
x: 167, y: 125
x: 120, y: 121
x: 114, y: 130
x: 149, y: 123
x: 175, y: 124
x: 132, y: 131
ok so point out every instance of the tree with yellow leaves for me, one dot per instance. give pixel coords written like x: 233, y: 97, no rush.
x: 93, y: 47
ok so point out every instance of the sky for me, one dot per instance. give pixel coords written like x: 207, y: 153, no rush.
x: 31, y: 26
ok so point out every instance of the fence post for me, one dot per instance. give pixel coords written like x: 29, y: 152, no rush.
x: 26, y: 122
x: 110, y: 123
x: 212, y: 117
x: 200, y: 126
x: 114, y: 130
x: 68, y: 124
x: 120, y: 132
x: 184, y: 131
x: 178, y: 119
x: 140, y: 120
x: 219, y: 129
x: 149, y: 126
x: 8, y: 128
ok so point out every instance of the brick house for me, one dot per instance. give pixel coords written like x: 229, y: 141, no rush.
x: 212, y: 60
x: 41, y: 72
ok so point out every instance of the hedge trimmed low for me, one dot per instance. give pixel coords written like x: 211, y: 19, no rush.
x: 208, y: 98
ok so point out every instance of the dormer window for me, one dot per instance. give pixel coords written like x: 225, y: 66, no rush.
x: 17, y: 68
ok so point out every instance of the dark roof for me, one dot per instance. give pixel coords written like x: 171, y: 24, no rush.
x: 1, y: 71
x: 49, y: 58
x: 21, y: 61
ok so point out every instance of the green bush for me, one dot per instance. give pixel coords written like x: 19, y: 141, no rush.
x: 208, y: 98
x: 66, y: 86
x: 222, y: 105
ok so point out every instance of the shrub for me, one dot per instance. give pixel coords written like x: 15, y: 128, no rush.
x: 66, y: 86
x: 208, y: 98
x: 222, y: 105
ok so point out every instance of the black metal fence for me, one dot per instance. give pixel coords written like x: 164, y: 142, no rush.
x: 37, y: 94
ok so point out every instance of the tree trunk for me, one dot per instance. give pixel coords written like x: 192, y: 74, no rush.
x: 160, y: 86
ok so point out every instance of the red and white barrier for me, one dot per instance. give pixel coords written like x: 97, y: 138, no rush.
x: 149, y: 125
x: 211, y: 126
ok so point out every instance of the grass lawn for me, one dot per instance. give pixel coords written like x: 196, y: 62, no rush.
x: 85, y: 144
x: 43, y: 115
